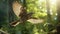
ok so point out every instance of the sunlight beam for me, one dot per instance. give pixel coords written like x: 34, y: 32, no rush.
x: 53, y: 1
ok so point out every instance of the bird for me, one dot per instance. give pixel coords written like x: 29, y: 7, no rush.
x: 21, y: 13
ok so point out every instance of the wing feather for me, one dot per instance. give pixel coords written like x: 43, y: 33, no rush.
x: 16, y: 8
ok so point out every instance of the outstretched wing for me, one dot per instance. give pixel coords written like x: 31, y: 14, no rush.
x: 16, y: 8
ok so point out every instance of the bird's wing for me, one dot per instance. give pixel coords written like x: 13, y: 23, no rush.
x: 16, y: 8
x: 36, y: 21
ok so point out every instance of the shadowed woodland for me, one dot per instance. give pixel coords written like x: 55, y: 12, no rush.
x: 29, y: 16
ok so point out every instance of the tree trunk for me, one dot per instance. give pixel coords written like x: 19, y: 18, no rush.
x: 48, y: 14
x: 48, y: 11
x: 58, y: 11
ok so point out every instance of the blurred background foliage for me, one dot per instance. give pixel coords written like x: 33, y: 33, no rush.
x: 39, y: 7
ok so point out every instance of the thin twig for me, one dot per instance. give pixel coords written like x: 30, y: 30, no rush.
x: 3, y: 31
